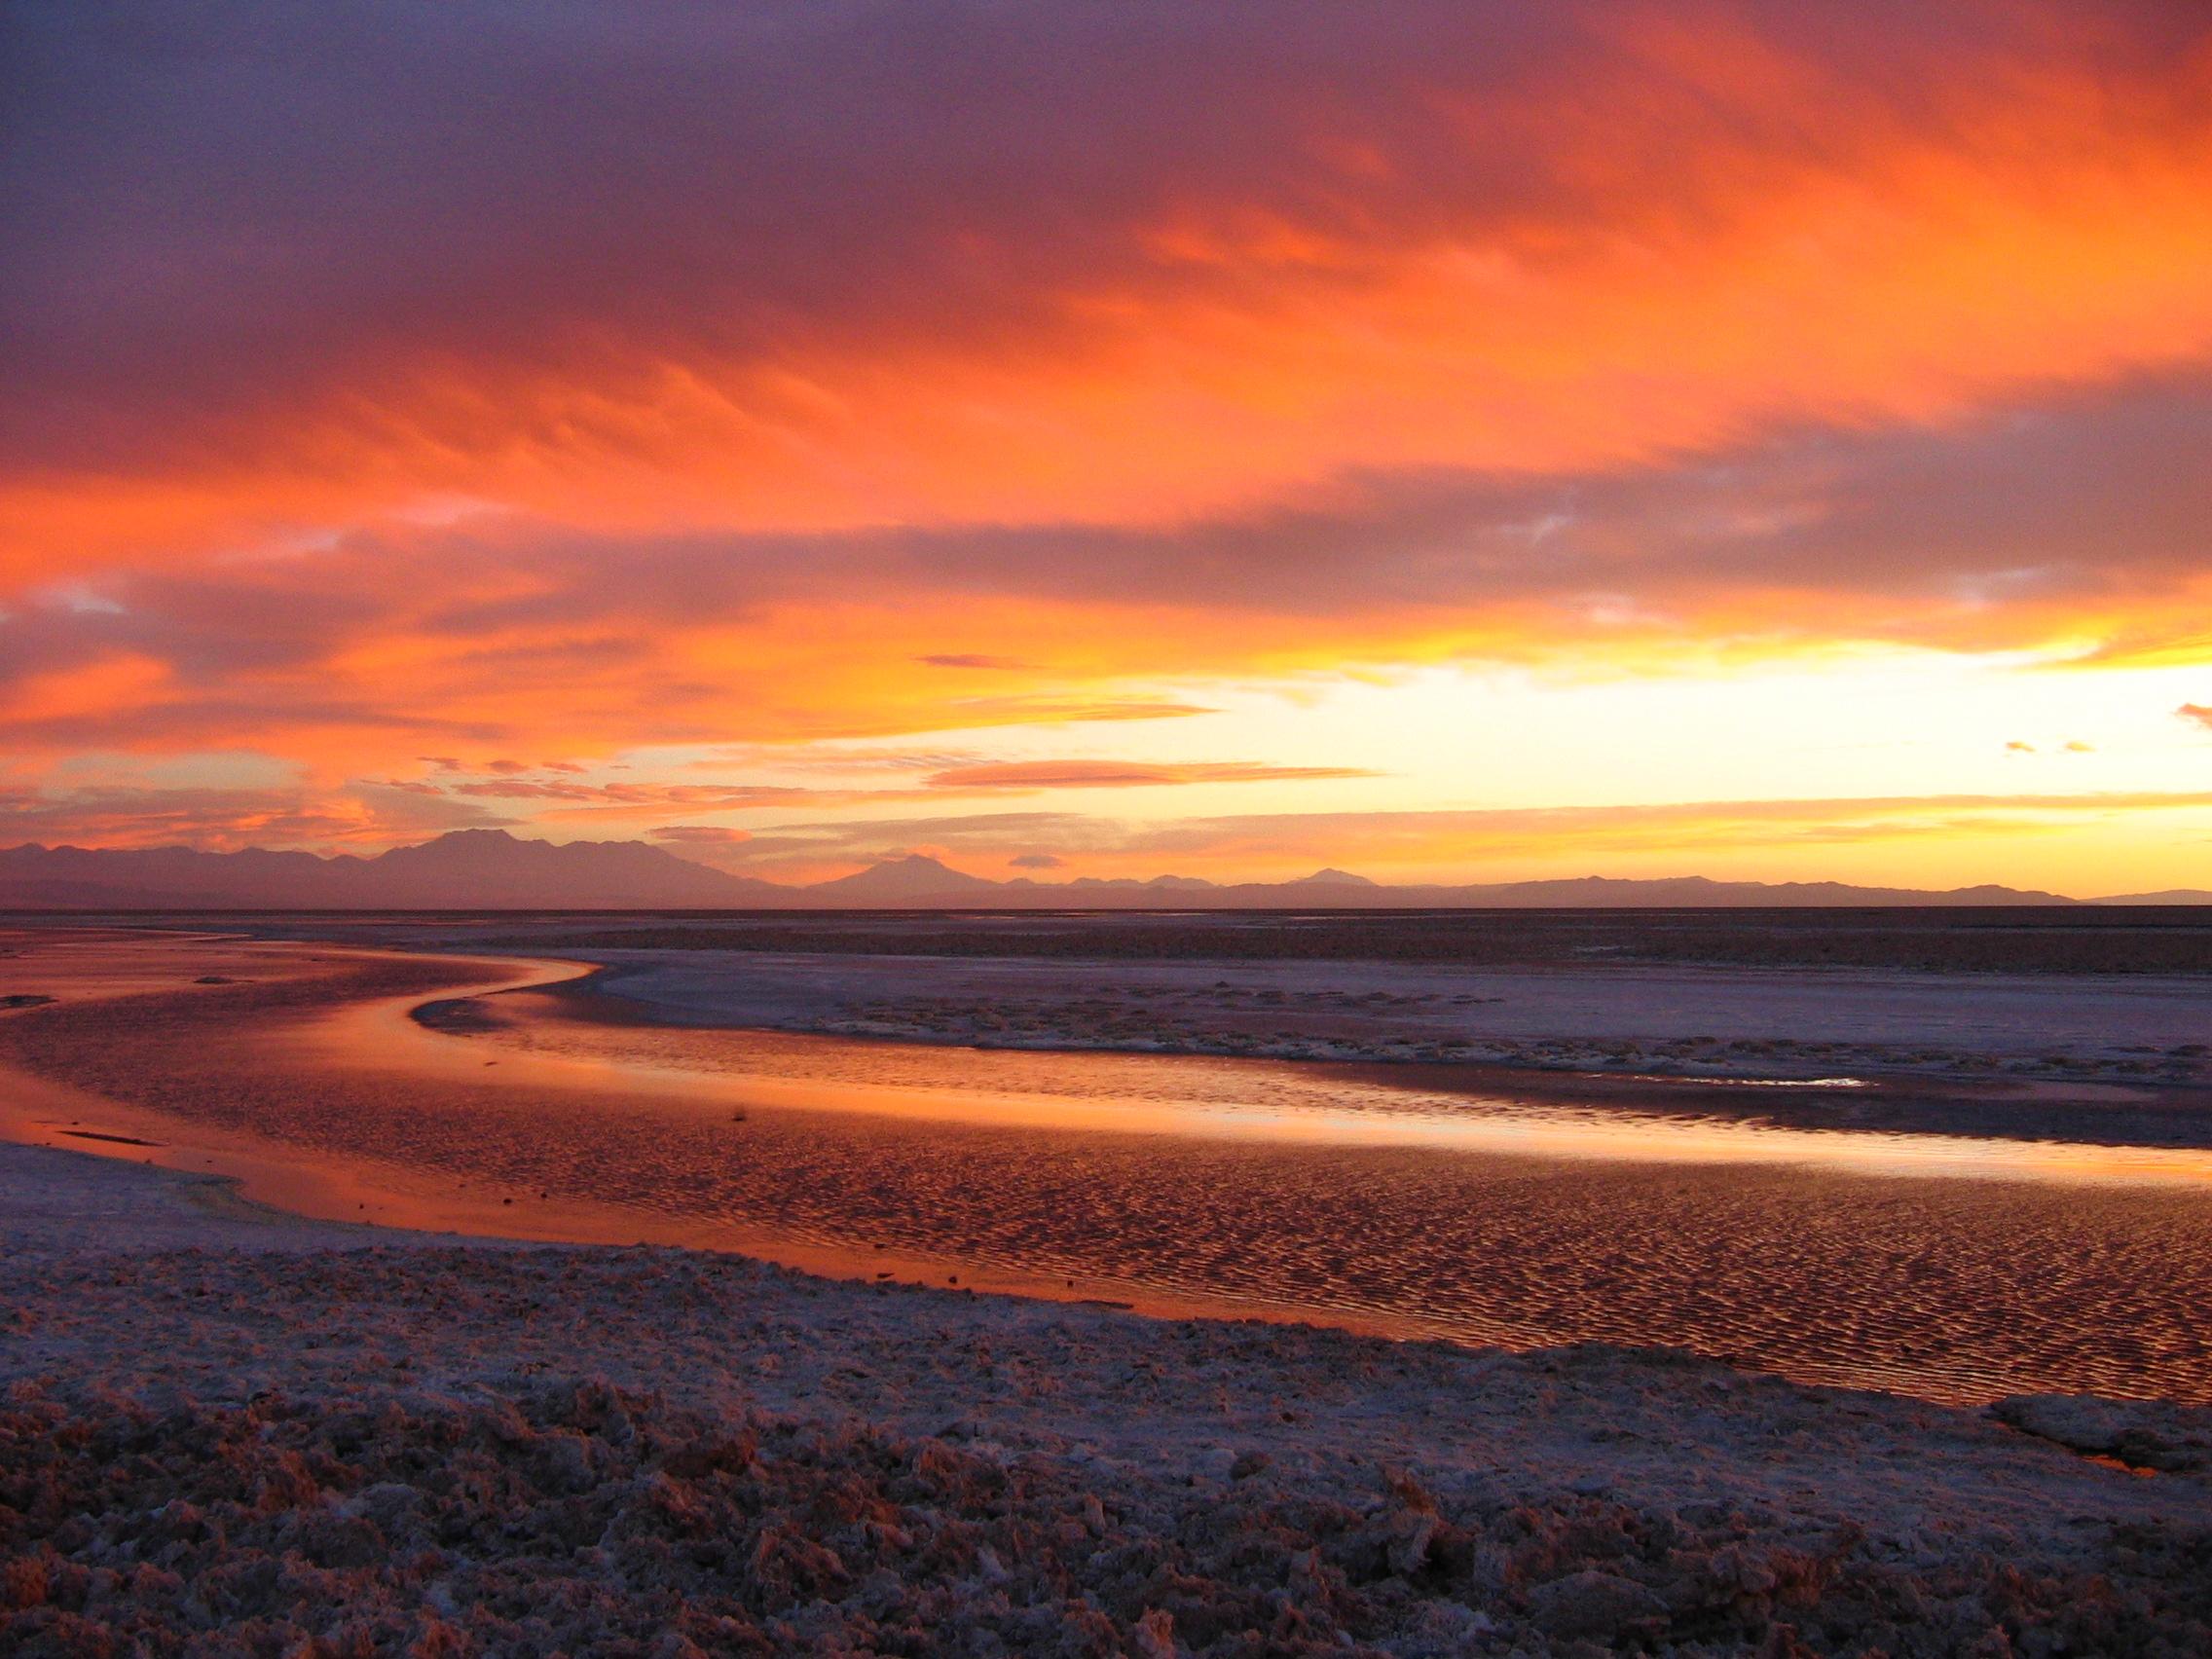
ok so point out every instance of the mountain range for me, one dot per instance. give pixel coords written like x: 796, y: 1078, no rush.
x: 490, y: 869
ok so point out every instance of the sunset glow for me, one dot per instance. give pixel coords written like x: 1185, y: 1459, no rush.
x: 1764, y: 441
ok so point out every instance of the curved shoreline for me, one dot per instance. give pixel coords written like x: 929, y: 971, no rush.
x: 330, y: 1099
x: 1391, y: 1027
x: 308, y: 1188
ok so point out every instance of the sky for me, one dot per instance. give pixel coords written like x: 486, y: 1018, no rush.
x: 1450, y: 441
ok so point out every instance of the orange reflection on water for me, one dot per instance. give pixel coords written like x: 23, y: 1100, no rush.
x: 1175, y: 1184
x: 1189, y: 1096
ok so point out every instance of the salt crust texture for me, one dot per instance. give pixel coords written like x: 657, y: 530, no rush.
x: 225, y: 1433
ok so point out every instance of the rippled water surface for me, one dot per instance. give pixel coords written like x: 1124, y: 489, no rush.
x: 1952, y: 1268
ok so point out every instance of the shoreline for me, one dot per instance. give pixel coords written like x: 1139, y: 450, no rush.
x: 371, y: 1205
x: 2029, y: 1104
x: 1367, y: 1015
x: 332, y: 1099
x: 1788, y: 1022
x: 62, y: 1205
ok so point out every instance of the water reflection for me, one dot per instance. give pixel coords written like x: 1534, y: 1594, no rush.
x: 546, y: 1044
x: 1291, y: 1190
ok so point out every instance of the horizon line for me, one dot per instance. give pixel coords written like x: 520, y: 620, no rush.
x: 1324, y: 879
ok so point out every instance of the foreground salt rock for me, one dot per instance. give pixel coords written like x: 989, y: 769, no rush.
x: 574, y: 1517
x: 2148, y: 1434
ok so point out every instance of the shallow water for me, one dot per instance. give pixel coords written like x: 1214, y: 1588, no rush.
x: 1941, y: 1266
x: 1200, y: 1096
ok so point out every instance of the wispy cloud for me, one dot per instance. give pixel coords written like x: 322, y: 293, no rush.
x: 365, y: 815
x: 968, y: 659
x: 699, y: 835
x: 1128, y: 774
x: 1693, y: 836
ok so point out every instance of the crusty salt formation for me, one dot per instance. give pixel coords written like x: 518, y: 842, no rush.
x: 222, y: 1432
x: 574, y: 1517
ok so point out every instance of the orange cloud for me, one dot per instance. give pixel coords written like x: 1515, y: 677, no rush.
x: 1455, y: 241
x: 342, y: 429
x: 109, y: 687
x: 700, y: 834
x: 1443, y: 840
x: 1783, y: 840
x: 972, y: 659
x: 1127, y: 774
x: 220, y: 819
x: 1908, y: 840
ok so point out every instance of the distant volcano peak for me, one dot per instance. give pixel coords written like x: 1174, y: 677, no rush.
x: 1333, y: 877
x: 910, y: 875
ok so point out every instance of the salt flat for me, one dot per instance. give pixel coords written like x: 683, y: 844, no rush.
x: 216, y: 1416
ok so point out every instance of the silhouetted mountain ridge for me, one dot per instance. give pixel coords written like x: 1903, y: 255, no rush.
x: 490, y: 869
x: 464, y: 869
